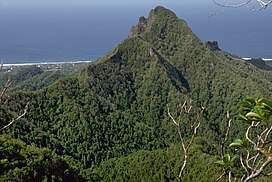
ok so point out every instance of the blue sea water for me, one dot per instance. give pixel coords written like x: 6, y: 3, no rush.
x: 36, y: 31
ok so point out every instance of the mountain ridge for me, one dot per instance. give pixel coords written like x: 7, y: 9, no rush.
x: 139, y: 70
x: 118, y: 105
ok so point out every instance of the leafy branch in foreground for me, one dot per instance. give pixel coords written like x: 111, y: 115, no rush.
x: 185, y: 110
x: 257, y: 142
x: 255, y: 149
x: 4, y: 100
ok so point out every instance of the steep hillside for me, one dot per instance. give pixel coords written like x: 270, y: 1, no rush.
x: 269, y: 63
x: 216, y: 81
x: 118, y: 105
x: 261, y: 64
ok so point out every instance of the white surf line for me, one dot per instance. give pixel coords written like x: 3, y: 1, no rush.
x: 45, y: 63
x: 265, y: 59
x: 246, y: 59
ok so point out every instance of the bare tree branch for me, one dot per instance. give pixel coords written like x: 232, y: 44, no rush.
x: 226, y: 4
x: 16, y: 119
x: 185, y: 108
x: 257, y: 172
x: 248, y: 159
x: 257, y: 162
x: 263, y: 4
x: 4, y: 90
x: 3, y: 101
x: 269, y: 174
x: 5, y: 87
x: 243, y: 165
x: 221, y: 176
x: 1, y: 66
x: 229, y: 176
x: 226, y: 135
x: 266, y: 136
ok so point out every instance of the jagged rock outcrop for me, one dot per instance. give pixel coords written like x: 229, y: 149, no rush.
x: 212, y: 45
x: 139, y: 28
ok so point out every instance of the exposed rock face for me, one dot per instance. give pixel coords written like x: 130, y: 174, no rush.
x: 212, y: 45
x: 139, y: 28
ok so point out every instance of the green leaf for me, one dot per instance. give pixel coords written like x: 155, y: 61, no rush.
x: 267, y: 105
x: 258, y: 110
x: 242, y: 117
x: 239, y: 143
x: 220, y: 162
x: 253, y: 115
x: 226, y: 158
x: 251, y: 101
x: 246, y: 104
x: 266, y: 102
x: 235, y: 145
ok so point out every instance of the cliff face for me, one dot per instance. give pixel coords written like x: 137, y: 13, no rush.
x: 213, y: 45
x: 139, y: 28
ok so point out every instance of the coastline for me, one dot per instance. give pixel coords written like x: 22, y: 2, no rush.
x: 264, y: 59
x: 46, y: 63
x: 87, y: 61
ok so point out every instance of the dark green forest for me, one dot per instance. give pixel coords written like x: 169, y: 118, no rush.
x: 108, y: 121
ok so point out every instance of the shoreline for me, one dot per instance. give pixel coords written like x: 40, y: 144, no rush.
x: 89, y: 61
x: 264, y: 59
x: 46, y: 63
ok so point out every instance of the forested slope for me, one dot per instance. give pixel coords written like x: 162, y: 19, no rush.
x: 116, y: 109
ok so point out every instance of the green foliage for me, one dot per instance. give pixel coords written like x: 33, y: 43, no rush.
x: 38, y: 82
x: 254, y: 149
x: 22, y: 162
x: 241, y: 144
x: 159, y: 165
x: 112, y: 117
x: 226, y: 162
x: 259, y: 110
x: 21, y: 74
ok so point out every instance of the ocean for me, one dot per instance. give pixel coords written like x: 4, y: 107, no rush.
x: 83, y: 30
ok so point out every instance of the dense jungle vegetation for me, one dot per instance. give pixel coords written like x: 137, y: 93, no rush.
x: 109, y: 122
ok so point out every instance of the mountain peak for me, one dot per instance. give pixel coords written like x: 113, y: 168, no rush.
x: 160, y: 14
x: 160, y: 10
x: 165, y: 32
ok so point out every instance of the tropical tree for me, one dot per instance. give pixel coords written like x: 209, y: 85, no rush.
x: 254, y: 149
